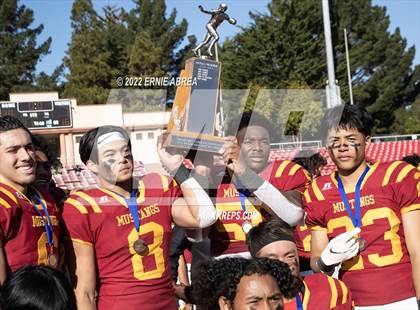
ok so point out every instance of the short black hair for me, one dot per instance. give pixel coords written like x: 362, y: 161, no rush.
x: 10, y: 123
x: 221, y: 278
x: 38, y: 288
x: 88, y: 147
x: 247, y: 119
x: 412, y: 159
x: 266, y: 233
x: 349, y: 116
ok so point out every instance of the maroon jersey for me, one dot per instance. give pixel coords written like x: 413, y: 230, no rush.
x: 102, y: 219
x: 323, y: 292
x: 22, y: 231
x: 302, y: 236
x: 381, y: 273
x: 227, y: 235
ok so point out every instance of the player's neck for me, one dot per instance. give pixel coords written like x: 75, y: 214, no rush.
x: 123, y: 188
x: 21, y: 188
x: 350, y: 177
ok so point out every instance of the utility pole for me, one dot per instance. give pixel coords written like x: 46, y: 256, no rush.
x: 348, y: 66
x: 332, y: 89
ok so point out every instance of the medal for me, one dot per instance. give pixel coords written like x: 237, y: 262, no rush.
x: 355, y: 217
x: 362, y: 244
x: 246, y: 227
x: 52, y: 260
x: 140, y: 247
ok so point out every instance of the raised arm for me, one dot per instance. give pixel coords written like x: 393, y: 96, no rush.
x: 195, y: 209
x: 285, y: 206
x: 200, y: 7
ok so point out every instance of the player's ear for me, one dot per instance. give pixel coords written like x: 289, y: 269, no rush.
x: 92, y: 166
x: 224, y: 303
x: 367, y: 140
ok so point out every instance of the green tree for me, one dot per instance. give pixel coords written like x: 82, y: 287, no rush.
x: 19, y: 51
x: 407, y: 119
x: 299, y: 111
x: 90, y: 75
x: 147, y: 23
x: 140, y: 42
x: 287, y: 44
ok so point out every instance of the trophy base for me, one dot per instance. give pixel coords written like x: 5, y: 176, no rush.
x: 192, y: 141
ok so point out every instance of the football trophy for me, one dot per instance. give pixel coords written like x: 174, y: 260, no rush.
x: 197, y: 120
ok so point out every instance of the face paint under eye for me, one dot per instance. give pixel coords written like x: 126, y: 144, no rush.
x: 108, y: 164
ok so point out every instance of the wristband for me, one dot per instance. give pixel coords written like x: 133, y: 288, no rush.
x: 182, y: 174
x: 249, y: 180
x: 324, y: 268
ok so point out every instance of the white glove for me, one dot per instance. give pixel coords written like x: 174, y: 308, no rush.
x: 341, y: 248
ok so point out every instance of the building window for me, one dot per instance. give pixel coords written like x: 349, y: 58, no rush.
x: 139, y: 136
x: 150, y: 135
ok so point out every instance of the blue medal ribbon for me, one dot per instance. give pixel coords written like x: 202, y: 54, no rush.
x: 47, y: 224
x: 134, y: 209
x: 355, y: 218
x: 299, y: 304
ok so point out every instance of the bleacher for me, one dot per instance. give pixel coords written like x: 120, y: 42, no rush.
x: 376, y: 152
x: 77, y: 176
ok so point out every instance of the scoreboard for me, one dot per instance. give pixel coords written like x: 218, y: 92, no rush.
x: 40, y: 114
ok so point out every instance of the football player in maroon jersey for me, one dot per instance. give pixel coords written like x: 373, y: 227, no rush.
x: 252, y: 189
x: 274, y: 239
x: 120, y: 231
x: 29, y: 219
x: 365, y: 217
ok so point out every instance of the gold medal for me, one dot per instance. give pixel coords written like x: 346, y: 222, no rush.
x: 246, y: 227
x: 140, y: 247
x: 52, y: 260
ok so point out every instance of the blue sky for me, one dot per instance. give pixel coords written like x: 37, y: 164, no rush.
x: 55, y: 16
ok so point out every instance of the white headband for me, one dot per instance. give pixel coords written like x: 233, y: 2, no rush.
x: 110, y: 137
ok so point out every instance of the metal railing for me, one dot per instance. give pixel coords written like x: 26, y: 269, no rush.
x: 314, y: 144
x: 299, y: 145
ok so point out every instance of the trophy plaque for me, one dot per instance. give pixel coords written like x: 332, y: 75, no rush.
x: 195, y: 119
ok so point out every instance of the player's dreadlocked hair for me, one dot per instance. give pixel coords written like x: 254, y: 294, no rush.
x: 349, y: 116
x: 221, y: 278
x: 9, y: 123
x: 311, y: 161
x: 412, y: 159
x: 247, y: 119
